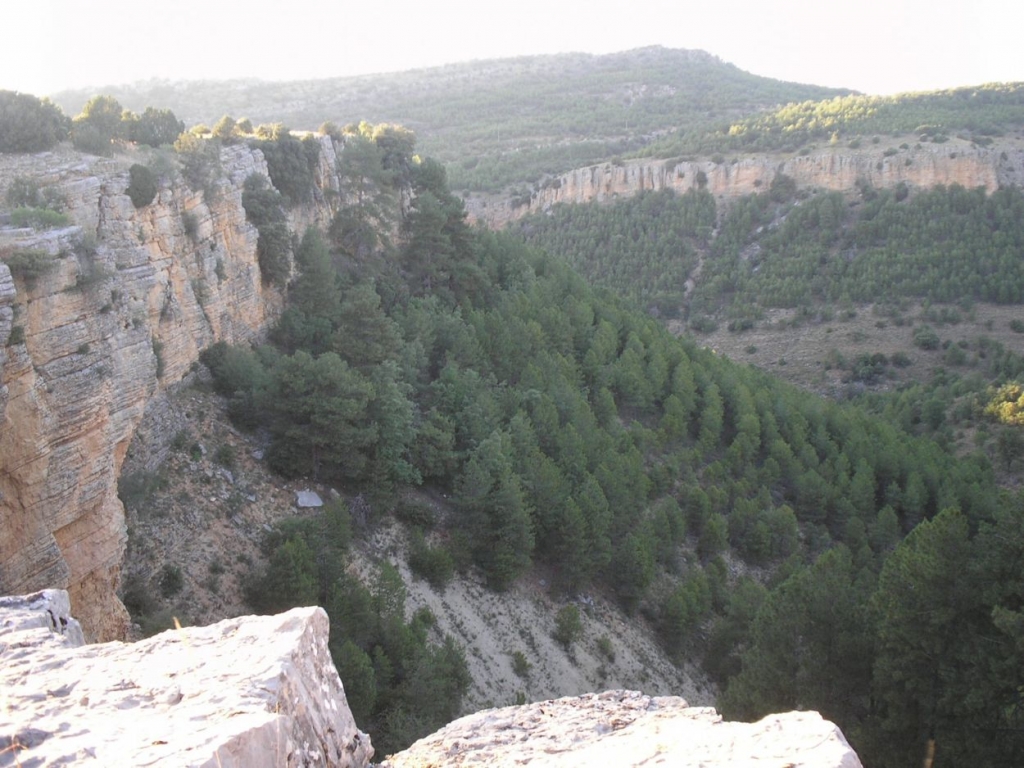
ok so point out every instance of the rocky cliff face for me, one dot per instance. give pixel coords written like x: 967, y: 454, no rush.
x: 131, y: 299
x: 923, y: 167
x: 262, y: 691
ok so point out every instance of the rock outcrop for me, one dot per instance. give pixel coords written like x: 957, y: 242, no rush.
x: 626, y: 728
x: 839, y: 169
x: 263, y: 691
x: 130, y: 299
x: 243, y: 693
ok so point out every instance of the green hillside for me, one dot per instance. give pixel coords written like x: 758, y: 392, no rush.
x: 574, y: 432
x: 975, y: 112
x: 498, y: 122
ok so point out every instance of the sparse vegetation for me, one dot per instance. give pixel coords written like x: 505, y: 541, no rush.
x: 38, y: 218
x: 520, y: 665
x: 568, y: 626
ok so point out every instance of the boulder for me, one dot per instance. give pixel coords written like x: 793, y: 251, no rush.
x: 626, y: 728
x: 242, y: 693
x: 308, y: 499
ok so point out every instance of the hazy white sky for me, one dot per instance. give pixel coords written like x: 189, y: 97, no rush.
x: 876, y: 46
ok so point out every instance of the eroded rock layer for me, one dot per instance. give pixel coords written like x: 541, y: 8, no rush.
x: 129, y: 298
x: 840, y: 170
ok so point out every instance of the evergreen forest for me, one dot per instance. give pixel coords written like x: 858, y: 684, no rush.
x: 572, y: 430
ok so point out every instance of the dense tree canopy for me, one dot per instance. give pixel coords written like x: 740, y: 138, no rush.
x: 28, y: 124
x: 572, y: 430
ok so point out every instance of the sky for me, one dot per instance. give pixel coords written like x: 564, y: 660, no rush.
x: 874, y: 46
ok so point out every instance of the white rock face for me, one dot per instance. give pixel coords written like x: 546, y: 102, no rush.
x: 243, y: 693
x: 626, y: 728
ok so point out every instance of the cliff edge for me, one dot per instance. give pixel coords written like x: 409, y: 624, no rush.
x: 262, y: 691
x: 243, y: 693
x: 840, y: 169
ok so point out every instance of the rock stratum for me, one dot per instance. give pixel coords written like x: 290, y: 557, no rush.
x: 262, y: 691
x: 835, y: 169
x: 131, y: 299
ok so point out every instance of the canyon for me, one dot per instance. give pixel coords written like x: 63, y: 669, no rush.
x: 134, y: 295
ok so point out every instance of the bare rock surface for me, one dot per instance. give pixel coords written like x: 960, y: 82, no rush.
x: 44, y: 618
x: 840, y: 169
x: 247, y: 692
x: 626, y: 728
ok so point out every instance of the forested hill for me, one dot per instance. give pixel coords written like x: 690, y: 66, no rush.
x: 978, y: 112
x: 504, y: 121
x: 575, y: 433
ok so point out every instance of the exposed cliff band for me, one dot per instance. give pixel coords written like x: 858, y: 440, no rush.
x: 840, y: 170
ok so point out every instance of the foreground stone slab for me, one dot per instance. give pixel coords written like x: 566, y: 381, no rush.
x: 626, y: 728
x: 243, y: 693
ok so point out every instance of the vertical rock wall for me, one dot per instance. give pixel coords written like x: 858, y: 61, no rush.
x: 839, y: 170
x: 133, y: 297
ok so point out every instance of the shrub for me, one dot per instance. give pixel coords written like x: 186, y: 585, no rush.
x: 273, y: 251
x: 435, y: 564
x: 17, y: 335
x: 171, y: 580
x: 416, y: 513
x: 38, y: 218
x: 180, y: 440
x: 605, y: 647
x: 88, y: 139
x: 703, y: 324
x: 200, y: 161
x: 520, y: 665
x: 141, y: 186
x: 136, y: 488
x: 158, y: 348
x: 155, y: 127
x: 29, y: 124
x: 24, y: 193
x: 926, y: 338
x: 263, y: 207
x: 291, y: 164
x: 225, y: 455
x: 224, y: 129
x: 782, y: 188
x: 30, y: 263
x: 1017, y: 326
x: 190, y: 223
x: 568, y: 626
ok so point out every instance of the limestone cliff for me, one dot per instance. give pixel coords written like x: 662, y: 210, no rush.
x: 262, y: 691
x: 131, y: 299
x: 834, y: 169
